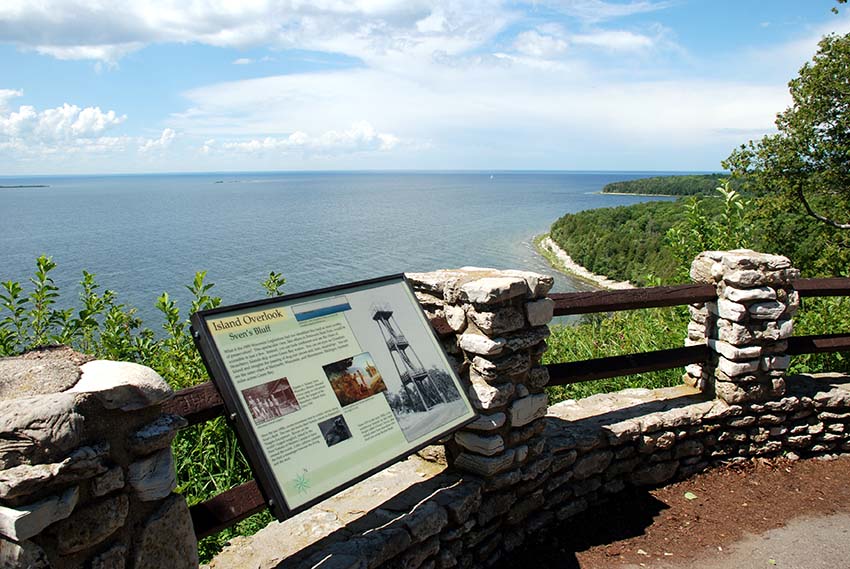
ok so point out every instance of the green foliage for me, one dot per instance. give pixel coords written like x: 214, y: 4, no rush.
x: 807, y: 162
x: 691, y: 185
x: 620, y: 333
x: 274, y: 284
x: 624, y: 243
x: 709, y: 228
x: 207, y: 456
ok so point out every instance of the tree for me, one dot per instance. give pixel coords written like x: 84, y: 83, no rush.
x: 808, y: 159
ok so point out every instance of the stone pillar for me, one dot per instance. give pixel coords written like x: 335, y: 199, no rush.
x: 494, y: 323
x: 747, y: 327
x: 86, y: 472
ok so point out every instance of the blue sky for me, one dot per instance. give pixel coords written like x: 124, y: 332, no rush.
x: 92, y: 86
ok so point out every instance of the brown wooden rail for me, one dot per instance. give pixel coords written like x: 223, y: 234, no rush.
x: 203, y: 402
x: 630, y: 299
x: 615, y: 366
x: 834, y: 286
x: 226, y: 509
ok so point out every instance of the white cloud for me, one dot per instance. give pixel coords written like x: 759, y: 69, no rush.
x: 535, y: 44
x: 67, y: 122
x: 593, y: 11
x: 243, y: 61
x: 614, y: 40
x: 106, y: 31
x: 6, y: 95
x: 360, y: 137
x: 161, y: 143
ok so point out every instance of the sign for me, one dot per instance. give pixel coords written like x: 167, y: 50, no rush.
x: 330, y: 386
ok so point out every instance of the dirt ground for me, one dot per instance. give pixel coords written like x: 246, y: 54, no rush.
x: 694, y: 519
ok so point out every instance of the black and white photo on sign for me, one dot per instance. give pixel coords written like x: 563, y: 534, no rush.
x: 335, y: 430
x: 271, y: 400
x: 421, y: 393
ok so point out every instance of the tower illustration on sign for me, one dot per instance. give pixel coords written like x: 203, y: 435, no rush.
x: 417, y: 385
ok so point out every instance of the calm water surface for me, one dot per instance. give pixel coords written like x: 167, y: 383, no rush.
x: 142, y: 235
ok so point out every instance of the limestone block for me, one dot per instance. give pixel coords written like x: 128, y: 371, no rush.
x: 460, y: 501
x: 122, y: 385
x: 655, y: 474
x: 507, y: 319
x: 696, y: 331
x: 521, y: 453
x: 113, y: 558
x: 23, y: 555
x: 110, y: 481
x: 487, y: 422
x: 735, y: 369
x: 504, y: 366
x: 487, y: 445
x: 485, y: 396
x: 694, y: 370
x: 775, y: 362
x: 734, y: 333
x: 156, y: 435
x: 538, y: 377
x: 25, y: 479
x: 493, y: 290
x: 480, y: 344
x: 435, y: 281
x: 429, y: 301
x: 39, y: 429
x: 538, y: 285
x: 540, y: 312
x: 25, y: 376
x: 729, y: 310
x: 485, y: 465
x: 749, y: 259
x: 167, y: 538
x: 456, y: 317
x: 792, y: 301
x: 699, y: 314
x: 734, y: 393
x: 525, y: 339
x: 525, y: 410
x: 425, y: 520
x: 702, y: 268
x: 27, y: 521
x: 92, y: 524
x: 591, y: 464
x: 748, y: 294
x: 734, y: 353
x: 770, y: 310
x: 776, y: 330
x: 153, y: 477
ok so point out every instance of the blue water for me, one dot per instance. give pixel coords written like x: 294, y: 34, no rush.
x: 142, y: 235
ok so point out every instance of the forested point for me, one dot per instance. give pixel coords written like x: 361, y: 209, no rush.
x: 690, y: 185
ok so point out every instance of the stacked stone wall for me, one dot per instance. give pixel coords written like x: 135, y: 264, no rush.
x: 86, y: 478
x: 86, y: 471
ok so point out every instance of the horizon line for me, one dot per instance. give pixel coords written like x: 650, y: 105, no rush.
x: 361, y: 171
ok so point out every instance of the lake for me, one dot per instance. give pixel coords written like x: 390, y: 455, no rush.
x: 145, y: 234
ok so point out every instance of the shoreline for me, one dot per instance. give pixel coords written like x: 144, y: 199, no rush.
x: 644, y: 195
x: 548, y: 248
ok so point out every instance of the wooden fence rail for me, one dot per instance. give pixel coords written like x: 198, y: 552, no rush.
x: 203, y: 402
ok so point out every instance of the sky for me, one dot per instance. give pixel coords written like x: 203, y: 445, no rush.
x: 99, y: 86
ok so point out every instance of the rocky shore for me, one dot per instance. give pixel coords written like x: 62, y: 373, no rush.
x: 566, y: 263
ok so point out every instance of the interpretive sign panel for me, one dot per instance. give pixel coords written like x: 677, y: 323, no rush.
x: 329, y: 386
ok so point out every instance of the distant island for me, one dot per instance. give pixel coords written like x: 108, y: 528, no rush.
x: 690, y: 185
x: 25, y: 186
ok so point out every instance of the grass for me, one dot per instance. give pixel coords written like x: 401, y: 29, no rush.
x: 598, y: 336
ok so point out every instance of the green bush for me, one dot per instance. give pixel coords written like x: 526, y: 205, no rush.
x: 207, y: 456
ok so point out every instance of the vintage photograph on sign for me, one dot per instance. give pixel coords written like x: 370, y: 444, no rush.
x: 330, y: 386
